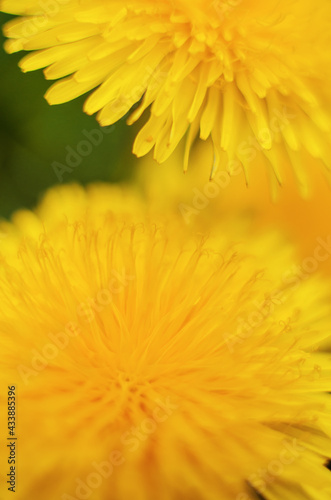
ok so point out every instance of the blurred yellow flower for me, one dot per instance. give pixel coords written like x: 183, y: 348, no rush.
x: 241, y: 74
x: 303, y: 221
x: 150, y: 366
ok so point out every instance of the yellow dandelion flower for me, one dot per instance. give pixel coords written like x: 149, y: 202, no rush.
x: 304, y: 221
x: 152, y: 367
x: 236, y: 73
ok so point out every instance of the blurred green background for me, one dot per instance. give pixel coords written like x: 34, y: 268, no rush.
x: 34, y: 135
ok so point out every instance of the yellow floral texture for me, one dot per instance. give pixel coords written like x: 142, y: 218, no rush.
x: 158, y: 367
x: 234, y: 73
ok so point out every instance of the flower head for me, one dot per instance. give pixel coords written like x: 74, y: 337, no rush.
x: 303, y: 220
x: 243, y: 74
x: 157, y: 367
